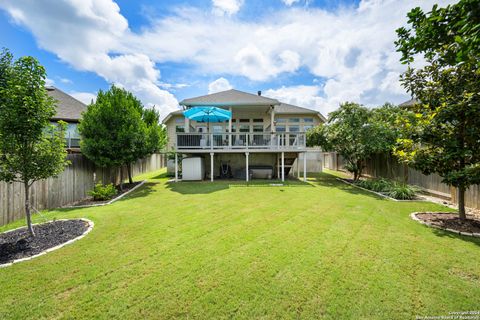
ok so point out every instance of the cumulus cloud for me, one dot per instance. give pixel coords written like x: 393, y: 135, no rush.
x: 307, y: 96
x: 350, y: 49
x: 226, y: 7
x: 290, y: 2
x: 221, y: 84
x: 88, y: 35
x: 85, y: 97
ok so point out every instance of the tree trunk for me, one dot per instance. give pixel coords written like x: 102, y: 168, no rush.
x: 129, y: 171
x: 27, y: 209
x: 359, y: 168
x: 121, y: 178
x: 461, y: 203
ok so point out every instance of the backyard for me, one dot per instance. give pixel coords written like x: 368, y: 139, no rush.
x: 320, y: 249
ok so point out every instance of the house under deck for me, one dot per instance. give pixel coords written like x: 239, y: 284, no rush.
x: 262, y: 132
x: 246, y: 152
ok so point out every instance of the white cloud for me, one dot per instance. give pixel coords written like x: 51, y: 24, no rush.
x: 49, y: 82
x: 290, y: 2
x: 226, y: 7
x: 306, y: 96
x: 85, y: 97
x: 350, y: 49
x: 66, y: 81
x: 221, y: 84
x: 89, y: 35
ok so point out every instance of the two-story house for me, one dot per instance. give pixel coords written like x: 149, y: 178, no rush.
x: 264, y: 136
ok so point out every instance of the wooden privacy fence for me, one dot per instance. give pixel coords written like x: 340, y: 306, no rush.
x: 70, y: 186
x: 383, y: 165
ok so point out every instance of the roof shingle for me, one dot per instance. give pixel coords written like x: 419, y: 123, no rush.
x: 68, y: 108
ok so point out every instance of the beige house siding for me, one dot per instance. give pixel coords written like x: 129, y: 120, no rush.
x: 241, y: 114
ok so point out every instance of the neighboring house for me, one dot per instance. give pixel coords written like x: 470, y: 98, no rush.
x: 69, y: 110
x: 264, y: 135
x: 408, y: 103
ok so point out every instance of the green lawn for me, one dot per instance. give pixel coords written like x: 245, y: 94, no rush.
x: 320, y: 249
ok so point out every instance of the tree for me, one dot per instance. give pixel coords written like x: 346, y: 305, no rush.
x: 445, y: 136
x: 113, y: 132
x: 31, y: 148
x: 156, y: 133
x: 351, y: 134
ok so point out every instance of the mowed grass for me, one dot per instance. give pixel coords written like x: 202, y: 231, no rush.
x: 320, y: 249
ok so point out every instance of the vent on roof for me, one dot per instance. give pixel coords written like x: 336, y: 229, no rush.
x: 259, y: 92
x: 49, y: 88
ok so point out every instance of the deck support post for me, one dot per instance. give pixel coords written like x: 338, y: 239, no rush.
x: 230, y: 128
x: 298, y: 166
x: 176, y: 167
x: 305, y: 166
x: 246, y: 166
x: 283, y: 166
x: 211, y: 166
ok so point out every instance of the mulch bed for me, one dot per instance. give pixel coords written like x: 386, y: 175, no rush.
x: 451, y: 221
x: 89, y: 201
x: 18, y: 244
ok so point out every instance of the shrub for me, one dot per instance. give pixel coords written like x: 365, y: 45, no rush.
x: 381, y: 185
x: 103, y: 192
x: 402, y: 191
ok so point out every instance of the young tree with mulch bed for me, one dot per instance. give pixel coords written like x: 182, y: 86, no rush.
x: 444, y: 138
x: 31, y: 148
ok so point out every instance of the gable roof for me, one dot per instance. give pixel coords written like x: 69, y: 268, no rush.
x: 409, y: 103
x: 230, y: 97
x: 285, y: 108
x: 68, y: 108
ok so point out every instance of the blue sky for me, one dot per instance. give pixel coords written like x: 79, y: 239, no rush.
x: 314, y: 53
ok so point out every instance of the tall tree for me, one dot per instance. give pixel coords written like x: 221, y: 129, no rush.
x: 156, y: 132
x: 445, y: 138
x: 350, y: 132
x: 31, y: 148
x: 113, y: 132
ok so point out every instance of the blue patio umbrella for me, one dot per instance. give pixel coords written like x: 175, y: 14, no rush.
x: 208, y: 114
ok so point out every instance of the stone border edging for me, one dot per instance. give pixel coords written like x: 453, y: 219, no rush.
x: 413, y: 215
x: 381, y: 194
x: 109, y: 202
x: 90, y: 228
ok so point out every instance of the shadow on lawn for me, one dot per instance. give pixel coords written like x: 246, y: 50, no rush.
x: 328, y: 180
x: 204, y: 187
x: 447, y: 234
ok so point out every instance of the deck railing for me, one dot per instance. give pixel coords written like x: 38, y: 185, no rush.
x: 240, y: 140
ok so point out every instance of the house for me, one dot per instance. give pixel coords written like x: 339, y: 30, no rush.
x: 264, y: 137
x: 69, y: 110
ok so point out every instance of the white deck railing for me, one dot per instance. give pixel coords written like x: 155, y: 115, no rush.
x: 225, y: 140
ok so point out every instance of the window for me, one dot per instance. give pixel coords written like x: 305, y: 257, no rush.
x: 258, y: 128
x: 308, y: 120
x: 179, y: 120
x: 293, y: 128
x: 72, y: 131
x: 244, y: 128
x: 294, y: 120
x: 244, y: 120
x: 234, y: 128
x: 306, y: 128
x: 217, y: 129
x: 281, y: 120
x: 280, y: 129
x: 180, y: 129
x: 257, y: 120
